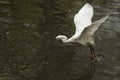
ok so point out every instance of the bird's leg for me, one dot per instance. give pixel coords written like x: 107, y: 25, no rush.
x: 93, y: 54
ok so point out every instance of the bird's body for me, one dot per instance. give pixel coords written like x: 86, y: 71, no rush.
x: 85, y: 29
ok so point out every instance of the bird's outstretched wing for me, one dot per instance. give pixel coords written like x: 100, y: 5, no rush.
x: 90, y: 30
x: 83, y: 18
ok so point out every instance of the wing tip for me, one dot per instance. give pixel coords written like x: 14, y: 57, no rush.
x: 103, y: 19
x: 106, y: 17
x: 88, y: 4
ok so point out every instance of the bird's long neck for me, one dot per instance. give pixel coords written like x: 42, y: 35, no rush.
x: 65, y: 40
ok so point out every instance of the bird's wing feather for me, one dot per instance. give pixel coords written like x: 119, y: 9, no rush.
x: 83, y: 18
x: 90, y: 30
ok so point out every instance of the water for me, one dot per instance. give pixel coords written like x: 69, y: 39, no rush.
x: 29, y: 51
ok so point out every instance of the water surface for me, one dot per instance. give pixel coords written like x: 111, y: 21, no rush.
x: 29, y: 51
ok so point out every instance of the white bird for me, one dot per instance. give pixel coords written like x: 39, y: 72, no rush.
x: 85, y: 29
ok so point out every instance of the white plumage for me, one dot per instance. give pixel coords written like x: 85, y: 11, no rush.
x: 84, y: 27
x: 83, y: 18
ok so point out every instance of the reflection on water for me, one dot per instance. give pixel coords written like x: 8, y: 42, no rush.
x: 28, y: 50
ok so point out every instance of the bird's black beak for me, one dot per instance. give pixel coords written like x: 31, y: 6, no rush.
x: 56, y: 38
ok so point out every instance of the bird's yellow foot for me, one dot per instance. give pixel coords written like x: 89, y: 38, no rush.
x: 97, y: 58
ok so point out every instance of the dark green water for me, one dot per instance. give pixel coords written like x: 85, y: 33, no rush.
x: 29, y: 51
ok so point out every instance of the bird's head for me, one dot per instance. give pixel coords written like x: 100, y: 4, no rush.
x: 61, y: 37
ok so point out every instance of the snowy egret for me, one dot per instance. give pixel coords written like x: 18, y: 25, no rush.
x: 85, y: 29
